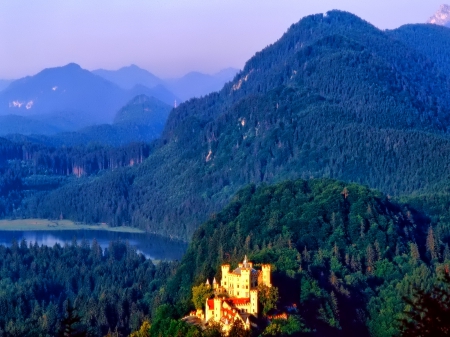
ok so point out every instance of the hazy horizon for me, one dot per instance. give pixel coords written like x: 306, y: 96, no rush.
x: 168, y: 38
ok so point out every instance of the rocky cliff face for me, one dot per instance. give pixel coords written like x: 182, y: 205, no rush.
x: 441, y: 17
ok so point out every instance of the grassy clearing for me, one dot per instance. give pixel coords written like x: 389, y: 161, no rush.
x: 63, y: 225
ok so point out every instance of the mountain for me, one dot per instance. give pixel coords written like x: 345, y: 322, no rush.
x: 441, y: 17
x: 63, y: 89
x: 70, y: 93
x: 226, y: 75
x: 4, y: 84
x: 128, y: 77
x: 432, y: 41
x: 333, y: 97
x: 195, y: 84
x: 140, y: 120
x: 160, y: 92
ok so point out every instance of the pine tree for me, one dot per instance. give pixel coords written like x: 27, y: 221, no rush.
x: 336, y: 251
x: 446, y: 253
x: 415, y: 255
x: 431, y: 244
x: 70, y: 325
x: 334, y: 305
x: 306, y: 255
x: 370, y: 259
x: 378, y: 250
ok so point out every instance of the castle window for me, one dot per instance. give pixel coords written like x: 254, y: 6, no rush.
x: 246, y: 287
x: 238, y: 285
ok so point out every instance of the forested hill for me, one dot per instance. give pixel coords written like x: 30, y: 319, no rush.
x: 333, y: 97
x: 433, y: 41
x: 344, y: 254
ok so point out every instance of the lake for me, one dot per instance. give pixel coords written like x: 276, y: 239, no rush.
x: 152, y: 246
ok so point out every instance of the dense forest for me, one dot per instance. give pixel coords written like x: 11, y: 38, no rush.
x: 333, y: 97
x: 111, y: 290
x: 29, y: 169
x: 350, y: 259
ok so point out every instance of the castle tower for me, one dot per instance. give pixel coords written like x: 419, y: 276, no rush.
x: 217, y: 309
x: 207, y: 283
x: 266, y: 275
x: 244, y: 283
x: 254, y: 302
x: 225, y: 271
x: 215, y: 284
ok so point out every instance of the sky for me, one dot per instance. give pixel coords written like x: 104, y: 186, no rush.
x: 167, y: 37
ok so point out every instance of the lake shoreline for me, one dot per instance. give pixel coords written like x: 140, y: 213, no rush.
x: 59, y: 225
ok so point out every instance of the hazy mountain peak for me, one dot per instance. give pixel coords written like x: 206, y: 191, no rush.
x: 127, y: 77
x: 441, y: 17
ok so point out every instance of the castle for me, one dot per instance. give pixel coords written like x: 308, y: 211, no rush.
x: 236, y: 296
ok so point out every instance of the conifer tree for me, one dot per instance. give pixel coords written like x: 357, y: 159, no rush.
x: 370, y: 259
x: 431, y: 244
x: 415, y: 255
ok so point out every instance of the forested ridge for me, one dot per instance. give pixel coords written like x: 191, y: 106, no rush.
x: 333, y: 97
x: 348, y: 256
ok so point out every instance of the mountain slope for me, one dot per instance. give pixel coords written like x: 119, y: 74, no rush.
x: 140, y: 120
x: 334, y: 97
x: 128, y: 77
x: 4, y: 84
x: 19, y: 124
x: 433, y: 41
x: 195, y: 84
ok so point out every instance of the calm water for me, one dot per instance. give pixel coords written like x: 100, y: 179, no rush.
x: 152, y: 246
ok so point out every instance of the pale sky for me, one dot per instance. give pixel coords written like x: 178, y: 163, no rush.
x: 167, y: 37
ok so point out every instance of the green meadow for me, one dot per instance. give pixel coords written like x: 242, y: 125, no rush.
x: 63, y: 225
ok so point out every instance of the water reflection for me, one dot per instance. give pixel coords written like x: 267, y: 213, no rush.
x: 152, y: 246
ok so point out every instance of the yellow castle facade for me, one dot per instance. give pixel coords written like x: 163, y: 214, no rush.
x: 236, y: 296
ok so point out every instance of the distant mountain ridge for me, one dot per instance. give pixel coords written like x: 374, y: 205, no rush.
x: 128, y: 77
x: 441, y: 17
x: 193, y: 84
x: 72, y: 95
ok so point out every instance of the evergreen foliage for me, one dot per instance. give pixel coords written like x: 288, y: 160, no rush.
x: 429, y: 315
x: 345, y: 254
x: 77, y: 290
